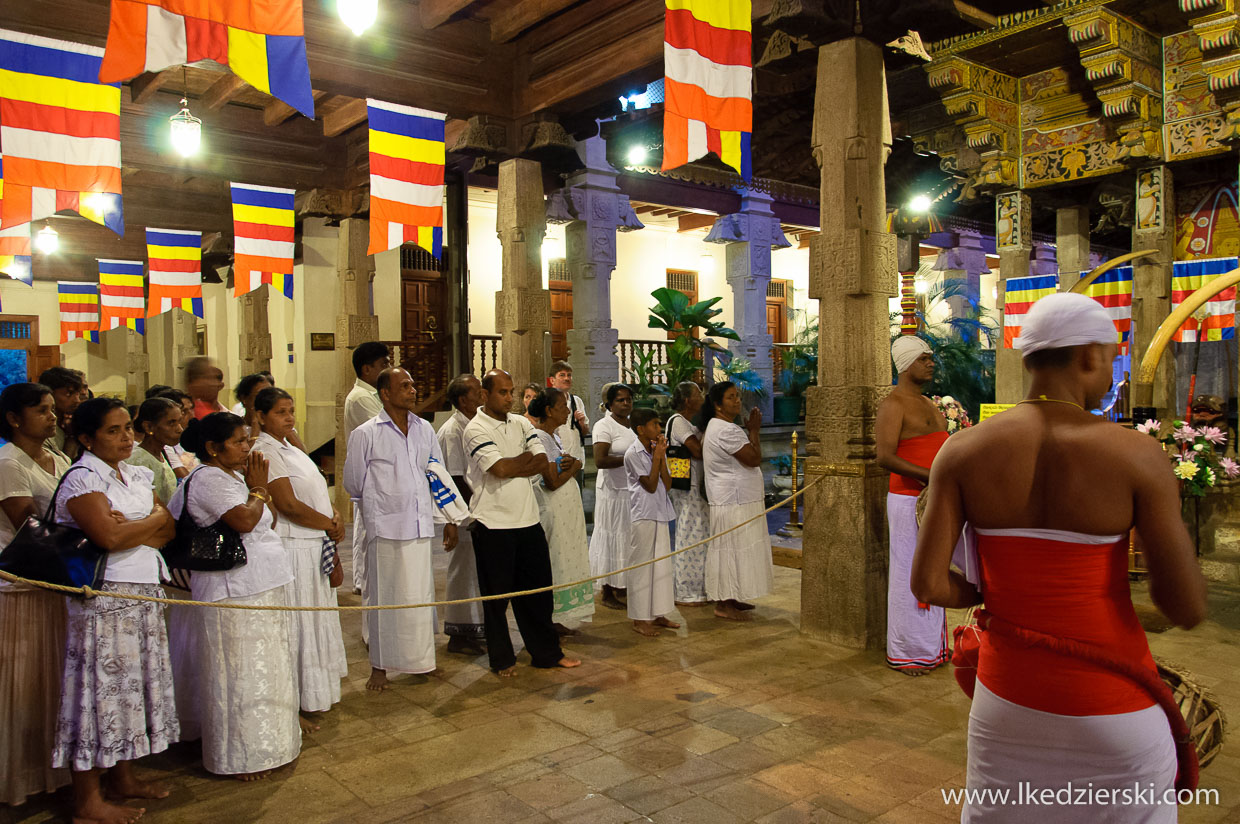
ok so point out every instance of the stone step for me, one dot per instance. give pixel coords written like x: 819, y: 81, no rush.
x: 1221, y: 566
x: 1227, y: 539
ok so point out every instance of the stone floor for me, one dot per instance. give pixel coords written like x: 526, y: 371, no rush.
x: 715, y: 724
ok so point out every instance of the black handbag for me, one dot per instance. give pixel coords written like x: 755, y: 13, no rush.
x: 679, y: 463
x: 214, y: 548
x: 43, y: 550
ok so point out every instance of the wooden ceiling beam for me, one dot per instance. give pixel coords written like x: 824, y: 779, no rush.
x: 520, y: 16
x: 434, y: 13
x: 694, y: 221
x: 975, y: 16
x: 222, y: 91
x: 143, y: 87
x: 345, y: 118
x: 277, y: 111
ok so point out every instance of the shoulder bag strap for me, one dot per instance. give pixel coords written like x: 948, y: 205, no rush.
x: 51, y: 506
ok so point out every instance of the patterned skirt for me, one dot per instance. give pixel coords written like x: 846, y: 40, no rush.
x: 570, y: 554
x: 117, y: 701
x: 692, y: 526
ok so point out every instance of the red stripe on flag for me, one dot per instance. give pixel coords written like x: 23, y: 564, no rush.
x: 263, y: 231
x: 1114, y: 301
x: 428, y: 174
x: 713, y: 143
x: 206, y: 40
x: 161, y: 265
x: 18, y: 114
x: 730, y: 47
x: 108, y: 290
x: 1018, y: 307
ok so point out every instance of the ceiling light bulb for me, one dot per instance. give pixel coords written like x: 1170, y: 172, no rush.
x: 636, y: 155
x: 920, y: 204
x: 921, y: 286
x: 185, y: 130
x: 358, y: 15
x: 47, y: 240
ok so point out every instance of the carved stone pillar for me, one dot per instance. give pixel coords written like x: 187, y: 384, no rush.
x: 137, y: 368
x: 184, y: 336
x: 594, y: 209
x: 1014, y: 243
x: 852, y: 273
x: 750, y: 235
x: 355, y: 325
x: 1153, y: 228
x: 255, y: 334
x: 963, y: 266
x: 1071, y: 244
x: 522, y: 306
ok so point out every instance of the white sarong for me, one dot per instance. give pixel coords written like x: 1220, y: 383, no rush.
x: 738, y: 564
x: 609, y: 543
x: 359, y: 552
x: 400, y: 572
x: 651, y: 593
x: 916, y: 636
x: 314, y: 637
x: 461, y: 620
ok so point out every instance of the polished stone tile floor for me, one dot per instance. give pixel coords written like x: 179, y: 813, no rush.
x: 714, y: 724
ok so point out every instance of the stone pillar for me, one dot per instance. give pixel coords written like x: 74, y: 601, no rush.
x: 595, y: 209
x: 255, y: 334
x: 1153, y: 228
x: 183, y: 328
x: 1071, y: 244
x: 853, y: 274
x: 963, y: 266
x: 1014, y: 243
x: 750, y: 235
x: 355, y: 325
x: 522, y: 306
x: 137, y: 368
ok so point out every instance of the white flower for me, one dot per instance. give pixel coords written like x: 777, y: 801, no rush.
x: 1150, y: 427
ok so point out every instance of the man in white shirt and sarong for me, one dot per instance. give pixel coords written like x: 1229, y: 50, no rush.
x: 463, y: 623
x: 389, y: 466
x: 360, y: 405
x: 509, y: 543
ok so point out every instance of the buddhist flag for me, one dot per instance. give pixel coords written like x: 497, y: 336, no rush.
x: 79, y: 310
x: 121, y: 295
x: 1188, y: 276
x: 61, y: 132
x: 1019, y: 296
x: 174, y: 259
x: 406, y: 177
x: 1113, y: 290
x: 14, y: 246
x: 262, y: 238
x: 263, y: 43
x: 708, y: 82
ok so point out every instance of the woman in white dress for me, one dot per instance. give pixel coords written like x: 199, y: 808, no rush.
x: 738, y: 564
x: 613, y: 519
x: 570, y: 551
x: 32, y: 620
x: 309, y: 527
x: 248, y: 689
x: 117, y: 700
x: 692, y: 512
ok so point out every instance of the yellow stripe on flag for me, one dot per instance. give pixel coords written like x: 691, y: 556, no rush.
x: 262, y: 214
x: 730, y: 148
x: 174, y: 253
x: 1122, y: 287
x: 407, y: 148
x: 722, y: 14
x: 34, y: 88
x: 247, y: 57
x: 121, y: 280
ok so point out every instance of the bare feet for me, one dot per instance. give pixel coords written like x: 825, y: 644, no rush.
x: 507, y: 672
x: 662, y: 621
x: 727, y: 609
x: 254, y: 776
x: 99, y: 811
x: 120, y: 781
x: 307, y: 724
x: 564, y: 631
x: 378, y: 681
x: 742, y: 605
x: 915, y: 672
x: 568, y: 663
x: 692, y: 603
x: 646, y: 628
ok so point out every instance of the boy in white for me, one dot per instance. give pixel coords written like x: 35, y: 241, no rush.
x: 650, y: 588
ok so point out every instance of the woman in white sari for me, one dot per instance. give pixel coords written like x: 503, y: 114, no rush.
x: 613, y: 517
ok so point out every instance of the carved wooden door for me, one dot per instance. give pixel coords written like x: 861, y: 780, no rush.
x: 561, y: 317
x: 425, y: 343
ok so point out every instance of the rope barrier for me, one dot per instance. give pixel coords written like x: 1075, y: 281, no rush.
x: 91, y: 592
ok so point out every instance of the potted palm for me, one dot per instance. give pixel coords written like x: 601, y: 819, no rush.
x: 693, y: 329
x: 800, y: 371
x: 641, y: 376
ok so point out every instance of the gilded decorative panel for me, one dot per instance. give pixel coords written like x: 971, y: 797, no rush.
x: 1191, y: 114
x: 1066, y: 154
x: 1207, y: 222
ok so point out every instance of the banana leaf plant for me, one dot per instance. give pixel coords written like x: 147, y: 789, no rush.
x: 675, y: 315
x: 643, y: 373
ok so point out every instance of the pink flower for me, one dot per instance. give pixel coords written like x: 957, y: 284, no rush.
x: 1150, y: 427
x: 1185, y: 434
x: 1213, y: 434
x: 1230, y: 468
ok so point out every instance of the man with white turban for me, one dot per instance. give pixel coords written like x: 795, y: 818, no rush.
x: 910, y: 431
x: 1052, y: 493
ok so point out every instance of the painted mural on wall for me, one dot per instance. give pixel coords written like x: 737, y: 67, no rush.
x: 1150, y: 198
x: 1207, y: 221
x: 1191, y: 114
x: 1061, y: 139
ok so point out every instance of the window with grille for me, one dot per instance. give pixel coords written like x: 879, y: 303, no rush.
x: 683, y: 281
x: 557, y: 269
x: 777, y: 289
x: 417, y: 259
x: 14, y: 330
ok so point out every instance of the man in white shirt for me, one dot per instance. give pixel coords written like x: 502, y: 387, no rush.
x: 509, y: 544
x: 574, y: 433
x: 463, y: 623
x: 386, y: 469
x: 360, y: 405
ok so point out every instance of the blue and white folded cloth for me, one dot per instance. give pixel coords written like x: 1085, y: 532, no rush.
x: 327, y: 560
x: 444, y: 493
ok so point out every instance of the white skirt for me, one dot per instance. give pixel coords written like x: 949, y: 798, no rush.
x: 650, y: 591
x: 314, y: 637
x: 1018, y: 749
x: 184, y: 627
x: 738, y: 565
x: 570, y: 554
x: 249, y: 689
x: 609, y: 545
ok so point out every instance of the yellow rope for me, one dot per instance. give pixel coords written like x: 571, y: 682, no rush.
x: 90, y: 592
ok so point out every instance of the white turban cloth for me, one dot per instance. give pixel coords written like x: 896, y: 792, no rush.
x: 1064, y: 319
x: 906, y: 349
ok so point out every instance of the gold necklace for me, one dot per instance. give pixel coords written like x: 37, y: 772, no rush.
x: 1044, y: 399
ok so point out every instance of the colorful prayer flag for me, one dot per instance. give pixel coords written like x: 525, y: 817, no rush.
x: 1113, y: 290
x: 61, y: 132
x: 14, y: 245
x: 1019, y: 296
x: 406, y: 177
x: 121, y: 295
x: 263, y: 43
x: 174, y: 258
x: 1187, y: 276
x: 262, y: 238
x: 79, y: 310
x: 708, y: 82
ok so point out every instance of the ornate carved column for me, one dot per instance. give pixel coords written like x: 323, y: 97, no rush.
x: 255, y: 334
x: 1014, y: 243
x: 594, y: 209
x: 182, y: 331
x: 750, y: 235
x: 137, y: 368
x: 522, y: 306
x: 963, y: 266
x: 852, y: 273
x: 1153, y: 228
x: 1071, y: 244
x: 355, y: 324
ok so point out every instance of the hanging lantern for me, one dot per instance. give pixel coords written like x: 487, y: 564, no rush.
x: 358, y: 15
x: 186, y: 131
x: 47, y: 240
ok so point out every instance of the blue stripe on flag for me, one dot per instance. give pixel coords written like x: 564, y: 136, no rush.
x: 423, y: 128
x: 78, y: 288
x: 1117, y: 275
x: 254, y: 197
x: 156, y: 237
x: 50, y: 62
x: 288, y: 72
x: 746, y: 160
x: 1034, y: 282
x: 120, y: 267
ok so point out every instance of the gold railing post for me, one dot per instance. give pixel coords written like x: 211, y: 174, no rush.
x: 793, y: 527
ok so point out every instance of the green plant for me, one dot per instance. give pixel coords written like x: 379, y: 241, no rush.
x: 741, y: 372
x: 800, y: 362
x: 674, y: 314
x: 641, y: 375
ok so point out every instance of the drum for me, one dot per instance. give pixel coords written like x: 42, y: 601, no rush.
x: 1201, y: 710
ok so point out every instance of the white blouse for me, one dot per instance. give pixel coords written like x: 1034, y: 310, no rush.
x: 309, y: 486
x: 728, y: 481
x: 130, y: 491
x: 22, y: 477
x: 213, y: 493
x: 679, y: 430
x: 610, y: 431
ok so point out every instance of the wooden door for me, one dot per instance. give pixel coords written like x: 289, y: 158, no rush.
x: 21, y: 357
x: 778, y: 293
x: 561, y: 317
x: 425, y: 339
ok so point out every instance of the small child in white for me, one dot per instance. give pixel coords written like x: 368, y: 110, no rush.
x: 651, y: 594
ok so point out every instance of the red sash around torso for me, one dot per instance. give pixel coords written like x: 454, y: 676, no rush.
x: 921, y: 451
x: 1069, y: 590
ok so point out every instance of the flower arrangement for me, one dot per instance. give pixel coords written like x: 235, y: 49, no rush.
x: 1191, y: 450
x: 956, y: 415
